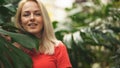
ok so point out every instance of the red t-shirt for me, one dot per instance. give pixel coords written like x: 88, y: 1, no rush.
x: 58, y: 60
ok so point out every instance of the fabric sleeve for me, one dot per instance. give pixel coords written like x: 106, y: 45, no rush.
x: 62, y: 57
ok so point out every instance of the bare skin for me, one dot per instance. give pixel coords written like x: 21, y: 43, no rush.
x: 31, y: 18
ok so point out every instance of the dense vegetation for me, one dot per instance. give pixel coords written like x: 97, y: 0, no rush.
x: 91, y: 33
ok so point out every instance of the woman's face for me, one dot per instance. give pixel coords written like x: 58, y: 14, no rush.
x: 31, y: 18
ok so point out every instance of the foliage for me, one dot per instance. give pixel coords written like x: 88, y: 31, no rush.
x: 91, y: 34
x: 11, y: 56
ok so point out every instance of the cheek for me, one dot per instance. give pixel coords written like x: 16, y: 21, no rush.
x: 23, y: 21
x: 41, y: 23
x: 40, y: 20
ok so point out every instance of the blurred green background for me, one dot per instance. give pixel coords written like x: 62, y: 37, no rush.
x: 91, y: 32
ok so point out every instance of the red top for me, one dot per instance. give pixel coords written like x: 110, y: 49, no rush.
x: 58, y: 60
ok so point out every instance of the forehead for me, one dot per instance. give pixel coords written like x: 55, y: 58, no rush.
x: 30, y: 5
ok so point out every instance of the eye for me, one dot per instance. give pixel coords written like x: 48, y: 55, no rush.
x: 38, y: 14
x: 26, y: 14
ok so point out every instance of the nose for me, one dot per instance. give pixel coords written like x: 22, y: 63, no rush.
x: 32, y: 17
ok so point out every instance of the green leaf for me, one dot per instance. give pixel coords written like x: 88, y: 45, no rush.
x: 67, y: 39
x: 77, y: 38
x: 18, y: 58
x: 2, y: 2
x: 27, y: 59
x: 5, y: 62
x: 4, y: 10
x: 22, y: 39
x: 4, y: 58
x: 93, y: 36
x: 54, y: 23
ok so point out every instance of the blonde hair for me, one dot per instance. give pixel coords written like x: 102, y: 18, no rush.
x: 48, y: 39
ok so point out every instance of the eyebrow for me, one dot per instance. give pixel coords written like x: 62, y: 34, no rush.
x: 33, y: 11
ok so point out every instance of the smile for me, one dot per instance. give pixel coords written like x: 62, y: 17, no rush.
x: 32, y: 24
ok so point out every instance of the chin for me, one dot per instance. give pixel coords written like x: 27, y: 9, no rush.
x: 34, y: 32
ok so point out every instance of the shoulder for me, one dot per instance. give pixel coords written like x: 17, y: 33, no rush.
x: 61, y: 56
x: 60, y: 45
x: 60, y: 48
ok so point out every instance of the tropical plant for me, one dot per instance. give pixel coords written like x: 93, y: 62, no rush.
x: 91, y: 33
x: 11, y: 56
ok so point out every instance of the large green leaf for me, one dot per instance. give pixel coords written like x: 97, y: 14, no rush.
x: 22, y: 39
x: 3, y: 58
x: 13, y: 55
x: 5, y: 62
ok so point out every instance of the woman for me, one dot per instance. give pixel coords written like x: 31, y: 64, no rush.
x: 32, y: 17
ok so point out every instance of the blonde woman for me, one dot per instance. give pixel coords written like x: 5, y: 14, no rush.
x: 32, y: 17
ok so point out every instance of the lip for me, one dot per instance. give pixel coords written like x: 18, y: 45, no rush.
x: 32, y: 25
